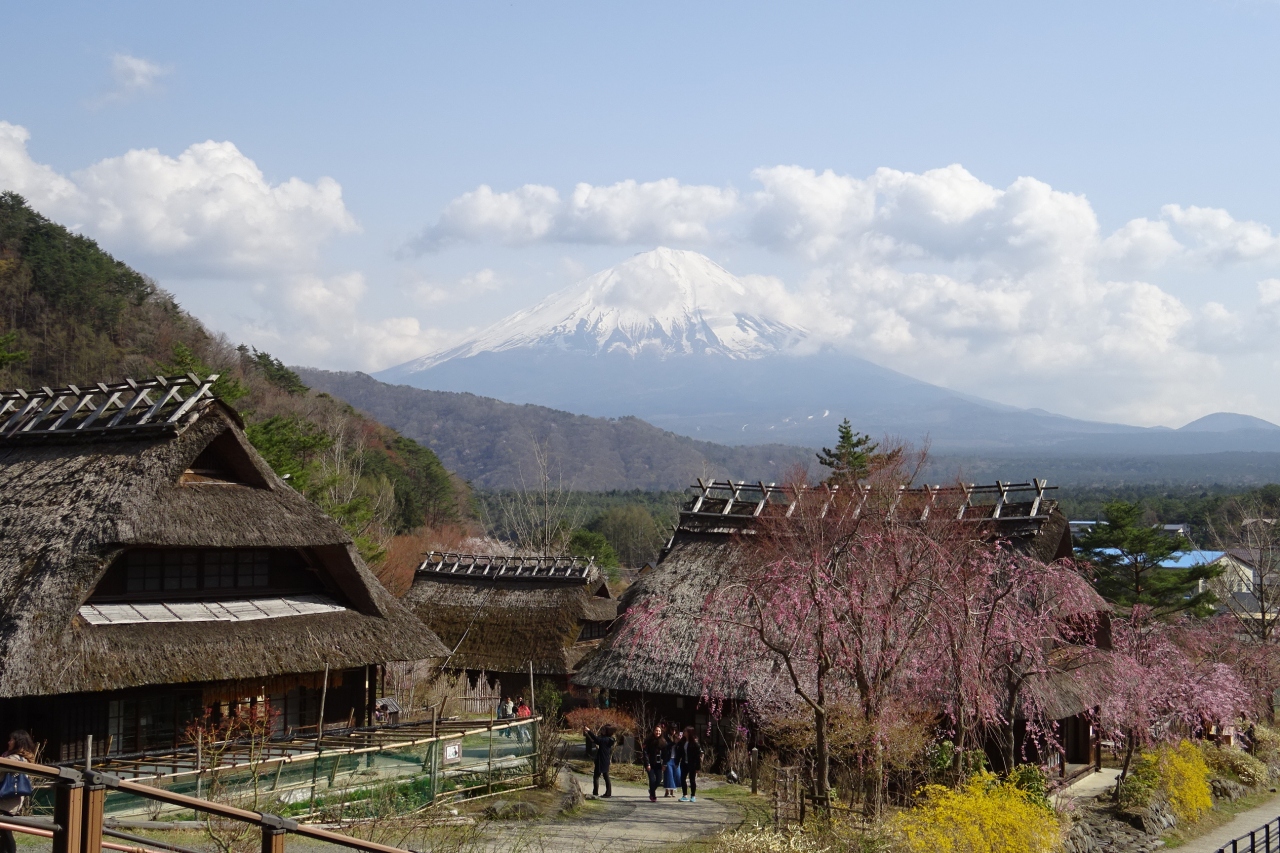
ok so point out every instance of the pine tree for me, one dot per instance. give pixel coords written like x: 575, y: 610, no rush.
x: 1128, y: 551
x: 852, y: 457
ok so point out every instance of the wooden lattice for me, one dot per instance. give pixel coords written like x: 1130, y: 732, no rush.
x: 439, y: 563
x: 151, y: 405
x: 787, y: 796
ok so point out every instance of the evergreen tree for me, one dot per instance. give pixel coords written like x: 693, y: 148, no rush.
x: 1128, y: 551
x: 8, y: 354
x: 852, y: 457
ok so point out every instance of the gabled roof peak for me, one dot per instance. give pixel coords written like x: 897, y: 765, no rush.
x: 502, y: 567
x: 104, y: 410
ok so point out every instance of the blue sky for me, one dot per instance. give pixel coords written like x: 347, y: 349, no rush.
x: 1115, y: 110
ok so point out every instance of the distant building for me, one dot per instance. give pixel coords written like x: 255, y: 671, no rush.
x: 1081, y: 527
x: 154, y: 568
x: 501, y: 615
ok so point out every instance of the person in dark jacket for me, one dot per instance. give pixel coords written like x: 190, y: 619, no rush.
x: 654, y: 749
x: 690, y: 763
x: 21, y: 748
x: 603, y: 743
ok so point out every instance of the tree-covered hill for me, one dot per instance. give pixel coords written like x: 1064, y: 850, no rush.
x: 71, y: 313
x: 492, y: 443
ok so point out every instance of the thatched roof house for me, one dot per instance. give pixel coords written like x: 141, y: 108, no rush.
x: 145, y: 543
x: 501, y: 613
x: 704, y: 549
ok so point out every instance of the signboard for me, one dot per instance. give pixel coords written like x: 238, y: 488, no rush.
x: 453, y: 752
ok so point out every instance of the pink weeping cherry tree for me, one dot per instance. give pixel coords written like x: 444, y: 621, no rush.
x: 1162, y: 685
x: 853, y: 596
x: 1004, y: 624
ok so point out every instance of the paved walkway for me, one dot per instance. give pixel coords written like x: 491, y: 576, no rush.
x: 625, y: 822
x: 1088, y: 786
x: 1242, y: 824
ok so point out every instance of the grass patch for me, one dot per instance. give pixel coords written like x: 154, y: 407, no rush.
x: 1222, y: 814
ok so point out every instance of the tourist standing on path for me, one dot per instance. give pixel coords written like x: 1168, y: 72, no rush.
x: 603, y: 743
x: 522, y: 713
x: 503, y: 712
x: 655, y: 747
x: 690, y: 764
x: 671, y: 762
x: 21, y: 748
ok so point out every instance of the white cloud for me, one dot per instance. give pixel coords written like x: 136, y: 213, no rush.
x: 1014, y: 292
x: 221, y: 234
x: 664, y: 211
x: 131, y: 77
x: 209, y: 209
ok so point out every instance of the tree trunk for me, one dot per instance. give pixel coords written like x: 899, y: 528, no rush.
x: 957, y: 760
x: 822, y: 759
x: 1128, y: 757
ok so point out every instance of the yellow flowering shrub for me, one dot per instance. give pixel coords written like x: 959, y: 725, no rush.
x: 1184, y: 778
x: 986, y: 816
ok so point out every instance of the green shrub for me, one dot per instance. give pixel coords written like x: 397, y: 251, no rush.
x: 1141, y: 784
x: 1266, y: 744
x: 1031, y: 779
x: 1232, y: 762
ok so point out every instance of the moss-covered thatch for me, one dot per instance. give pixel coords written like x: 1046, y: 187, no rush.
x: 500, y: 624
x: 69, y: 507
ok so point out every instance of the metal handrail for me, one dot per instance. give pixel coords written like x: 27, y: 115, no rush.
x: 1267, y: 835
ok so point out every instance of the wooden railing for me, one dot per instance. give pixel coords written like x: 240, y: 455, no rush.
x: 78, y: 812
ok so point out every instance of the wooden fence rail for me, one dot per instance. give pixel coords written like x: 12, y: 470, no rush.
x: 78, y: 811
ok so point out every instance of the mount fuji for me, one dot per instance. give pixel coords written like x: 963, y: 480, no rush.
x: 673, y: 338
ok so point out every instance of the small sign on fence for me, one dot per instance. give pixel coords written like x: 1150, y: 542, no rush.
x: 453, y: 752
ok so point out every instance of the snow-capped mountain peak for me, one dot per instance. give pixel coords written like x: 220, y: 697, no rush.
x: 663, y: 302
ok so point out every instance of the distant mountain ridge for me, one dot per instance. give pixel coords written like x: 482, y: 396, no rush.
x: 672, y: 338
x: 490, y: 442
x: 1228, y: 422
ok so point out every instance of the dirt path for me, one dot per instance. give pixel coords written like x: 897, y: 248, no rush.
x: 625, y: 822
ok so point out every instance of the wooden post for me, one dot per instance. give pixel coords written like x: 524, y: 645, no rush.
x: 315, y: 765
x: 533, y: 703
x: 489, y: 784
x: 324, y: 694
x: 95, y: 797
x: 272, y: 839
x: 755, y: 770
x: 199, y: 761
x: 68, y: 812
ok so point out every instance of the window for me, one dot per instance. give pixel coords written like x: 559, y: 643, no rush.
x: 156, y: 571
x: 171, y: 574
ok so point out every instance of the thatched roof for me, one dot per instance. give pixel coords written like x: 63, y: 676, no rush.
x: 72, y: 501
x: 503, y: 612
x: 705, y: 548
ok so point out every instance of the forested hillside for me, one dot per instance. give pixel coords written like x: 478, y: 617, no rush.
x: 71, y: 313
x: 492, y: 443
